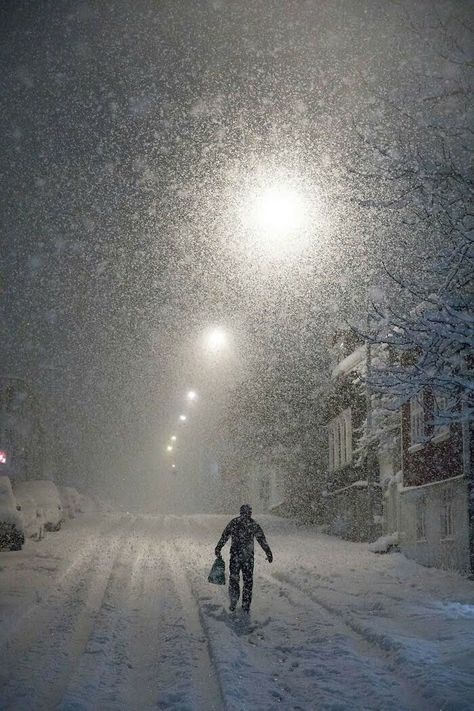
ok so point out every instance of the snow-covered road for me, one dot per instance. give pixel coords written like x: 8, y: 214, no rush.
x: 116, y: 613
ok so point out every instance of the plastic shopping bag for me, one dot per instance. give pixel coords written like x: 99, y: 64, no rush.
x: 217, y: 574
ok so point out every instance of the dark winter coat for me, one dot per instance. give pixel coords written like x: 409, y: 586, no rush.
x: 242, y: 531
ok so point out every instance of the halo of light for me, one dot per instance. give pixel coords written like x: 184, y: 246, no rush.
x: 279, y: 211
x: 216, y: 340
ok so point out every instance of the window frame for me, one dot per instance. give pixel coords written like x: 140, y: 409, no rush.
x: 340, y: 440
x: 440, y: 403
x: 447, y: 514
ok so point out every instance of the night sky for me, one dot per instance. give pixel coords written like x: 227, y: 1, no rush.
x: 132, y: 132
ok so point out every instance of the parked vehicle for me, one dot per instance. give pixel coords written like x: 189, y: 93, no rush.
x: 46, y: 495
x: 33, y: 515
x: 12, y: 535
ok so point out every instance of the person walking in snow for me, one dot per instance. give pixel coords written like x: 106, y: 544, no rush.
x: 242, y: 530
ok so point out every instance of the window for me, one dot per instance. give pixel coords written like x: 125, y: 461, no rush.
x: 447, y: 519
x: 340, y: 440
x: 417, y: 419
x: 421, y: 519
x: 441, y: 406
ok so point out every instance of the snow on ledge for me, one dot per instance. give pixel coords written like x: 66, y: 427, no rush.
x: 403, y: 489
x: 360, y: 484
x: 350, y: 362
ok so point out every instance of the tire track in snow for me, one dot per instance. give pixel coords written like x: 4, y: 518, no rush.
x: 144, y: 651
x: 102, y: 674
x: 42, y: 652
x: 409, y: 697
x: 376, y: 643
x: 73, y: 571
x: 208, y: 694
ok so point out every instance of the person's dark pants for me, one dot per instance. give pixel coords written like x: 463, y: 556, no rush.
x: 244, y: 564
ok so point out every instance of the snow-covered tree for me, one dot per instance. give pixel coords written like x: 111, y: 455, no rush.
x: 418, y: 182
x: 431, y: 343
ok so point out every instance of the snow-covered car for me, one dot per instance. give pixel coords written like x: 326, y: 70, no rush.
x: 12, y: 535
x: 47, y: 498
x: 32, y: 514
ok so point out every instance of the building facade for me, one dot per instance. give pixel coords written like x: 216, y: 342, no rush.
x: 433, y: 505
x: 353, y: 501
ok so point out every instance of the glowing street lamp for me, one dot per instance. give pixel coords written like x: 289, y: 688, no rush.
x: 216, y: 340
x: 191, y: 395
x: 169, y: 448
x: 280, y: 210
x: 279, y: 217
x: 173, y: 438
x: 183, y: 418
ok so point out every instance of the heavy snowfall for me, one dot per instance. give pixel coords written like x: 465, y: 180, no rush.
x: 236, y: 355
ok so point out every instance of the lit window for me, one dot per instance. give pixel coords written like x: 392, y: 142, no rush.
x: 421, y: 519
x: 417, y: 419
x: 447, y: 519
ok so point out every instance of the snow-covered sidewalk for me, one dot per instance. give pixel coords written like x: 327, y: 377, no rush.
x: 116, y: 613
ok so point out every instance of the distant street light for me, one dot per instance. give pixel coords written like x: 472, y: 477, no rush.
x: 191, y: 395
x: 169, y: 448
x: 173, y: 438
x: 183, y: 418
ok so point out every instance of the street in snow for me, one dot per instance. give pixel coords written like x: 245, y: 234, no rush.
x: 116, y: 612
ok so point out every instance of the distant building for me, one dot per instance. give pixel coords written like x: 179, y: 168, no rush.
x: 21, y: 433
x: 260, y: 483
x: 266, y: 487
